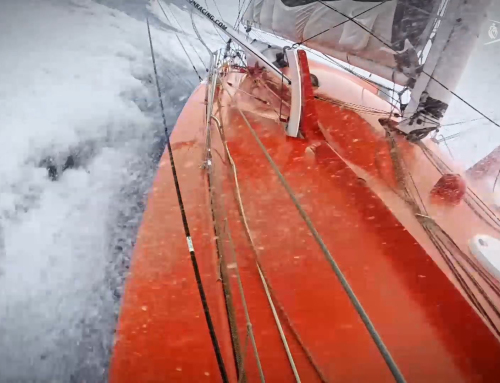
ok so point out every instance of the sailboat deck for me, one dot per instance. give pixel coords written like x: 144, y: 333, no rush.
x: 278, y: 218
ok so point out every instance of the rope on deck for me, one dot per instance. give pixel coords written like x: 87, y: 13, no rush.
x: 264, y: 282
x: 391, y: 364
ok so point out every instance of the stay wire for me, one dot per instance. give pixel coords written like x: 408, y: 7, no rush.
x: 195, y: 29
x: 328, y: 58
x: 442, y: 167
x: 361, y: 77
x: 201, y: 290
x: 214, y: 27
x: 240, y: 15
x: 464, y: 101
x: 182, y: 45
x: 183, y: 31
x: 339, y: 24
x: 218, y: 10
x: 445, y: 251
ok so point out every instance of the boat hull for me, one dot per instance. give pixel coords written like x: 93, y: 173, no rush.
x: 271, y: 217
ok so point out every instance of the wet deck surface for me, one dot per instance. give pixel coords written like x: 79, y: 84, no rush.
x: 428, y: 327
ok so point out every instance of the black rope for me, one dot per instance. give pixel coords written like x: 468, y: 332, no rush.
x: 218, y: 10
x: 442, y: 167
x: 461, y: 99
x: 182, y: 45
x: 447, y: 253
x: 183, y: 31
x: 240, y: 15
x: 194, y: 262
x: 339, y: 24
x: 496, y: 180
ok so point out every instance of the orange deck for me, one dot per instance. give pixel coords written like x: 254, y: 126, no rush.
x: 428, y: 325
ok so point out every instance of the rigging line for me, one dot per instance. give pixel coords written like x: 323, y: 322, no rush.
x: 216, y: 29
x: 354, y: 107
x: 280, y: 328
x: 195, y: 28
x: 462, y: 122
x: 240, y: 15
x: 426, y: 225
x: 477, y: 200
x: 450, y: 239
x: 208, y: 318
x: 424, y: 72
x: 328, y: 58
x: 479, y: 203
x: 262, y: 83
x: 254, y: 248
x: 496, y: 180
x: 478, y: 287
x: 436, y: 240
x: 242, y: 377
x: 250, y: 333
x: 218, y: 10
x: 357, y: 23
x: 391, y: 364
x: 244, y: 304
x: 445, y: 141
x: 440, y: 246
x: 455, y: 135
x: 182, y: 45
x: 339, y: 24
x: 189, y: 58
x: 361, y: 77
x: 281, y: 308
x: 182, y: 29
x: 222, y: 264
x: 403, y: 167
x: 461, y: 99
x: 477, y: 267
x: 431, y: 156
x: 263, y: 279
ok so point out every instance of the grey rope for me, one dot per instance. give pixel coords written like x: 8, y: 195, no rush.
x: 398, y: 376
x: 263, y: 279
x: 182, y: 45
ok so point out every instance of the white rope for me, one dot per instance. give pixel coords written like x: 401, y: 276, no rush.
x: 266, y: 287
x: 280, y: 329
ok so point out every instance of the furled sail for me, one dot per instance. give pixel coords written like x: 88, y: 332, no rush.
x: 385, y: 39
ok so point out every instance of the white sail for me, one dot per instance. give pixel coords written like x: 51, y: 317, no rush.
x: 384, y: 39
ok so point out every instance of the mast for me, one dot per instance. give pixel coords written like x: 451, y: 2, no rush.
x: 453, y: 44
